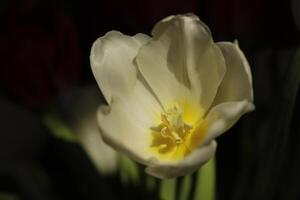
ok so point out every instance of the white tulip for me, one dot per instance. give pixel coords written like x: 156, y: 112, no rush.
x: 169, y: 96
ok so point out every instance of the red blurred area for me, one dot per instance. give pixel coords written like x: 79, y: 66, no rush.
x: 39, y: 53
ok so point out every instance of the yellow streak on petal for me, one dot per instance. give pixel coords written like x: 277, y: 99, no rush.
x: 196, y: 138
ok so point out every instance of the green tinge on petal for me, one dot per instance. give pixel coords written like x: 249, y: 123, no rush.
x: 168, y: 189
x: 129, y: 171
x: 205, y: 185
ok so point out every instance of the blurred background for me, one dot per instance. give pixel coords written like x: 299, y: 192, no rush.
x: 47, y: 92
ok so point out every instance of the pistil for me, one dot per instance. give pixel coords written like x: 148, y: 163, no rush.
x: 172, y: 125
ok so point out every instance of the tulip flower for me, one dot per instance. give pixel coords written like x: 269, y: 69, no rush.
x: 170, y: 95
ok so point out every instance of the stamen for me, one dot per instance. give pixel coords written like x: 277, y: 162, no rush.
x: 178, y: 139
x: 187, y: 127
x: 164, y: 119
x: 174, y: 135
x: 172, y: 126
x: 162, y: 146
x: 164, y: 132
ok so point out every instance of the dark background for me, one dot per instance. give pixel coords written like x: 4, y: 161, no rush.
x: 44, y: 53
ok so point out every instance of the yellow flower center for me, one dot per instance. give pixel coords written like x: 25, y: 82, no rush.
x: 179, y: 131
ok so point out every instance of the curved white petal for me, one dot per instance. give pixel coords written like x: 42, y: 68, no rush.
x: 126, y: 124
x: 152, y: 63
x: 223, y: 116
x: 183, y: 49
x: 142, y: 38
x: 103, y: 156
x: 80, y: 105
x: 237, y: 82
x: 112, y: 62
x: 188, y: 165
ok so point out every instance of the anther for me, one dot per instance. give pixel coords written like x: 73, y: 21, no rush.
x: 164, y: 132
x: 162, y: 146
x: 178, y: 139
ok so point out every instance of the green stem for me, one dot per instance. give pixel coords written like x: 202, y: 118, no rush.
x: 129, y: 171
x: 205, y: 185
x: 168, y: 189
x: 150, y: 183
x: 185, y: 188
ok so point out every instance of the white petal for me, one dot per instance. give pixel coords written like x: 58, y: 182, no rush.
x: 142, y: 39
x: 112, y: 62
x: 223, y: 116
x: 152, y: 63
x: 183, y: 46
x: 188, y: 165
x: 80, y: 105
x: 102, y: 155
x: 125, y: 125
x: 237, y: 83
